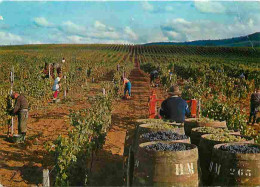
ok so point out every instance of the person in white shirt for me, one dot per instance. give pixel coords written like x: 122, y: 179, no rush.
x: 56, y: 86
x: 63, y: 60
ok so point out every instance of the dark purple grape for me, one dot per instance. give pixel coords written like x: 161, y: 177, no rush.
x: 168, y: 147
x: 240, y: 148
x: 163, y: 136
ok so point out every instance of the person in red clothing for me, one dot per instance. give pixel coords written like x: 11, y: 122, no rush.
x: 254, y: 105
x: 56, y: 87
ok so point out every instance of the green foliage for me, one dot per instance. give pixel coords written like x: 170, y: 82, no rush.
x: 231, y: 113
x: 88, y: 135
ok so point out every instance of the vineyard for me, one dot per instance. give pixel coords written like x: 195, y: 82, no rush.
x: 82, y: 139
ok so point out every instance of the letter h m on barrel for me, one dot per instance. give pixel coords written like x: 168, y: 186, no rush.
x: 184, y: 169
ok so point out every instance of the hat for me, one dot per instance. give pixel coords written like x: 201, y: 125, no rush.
x: 174, y: 90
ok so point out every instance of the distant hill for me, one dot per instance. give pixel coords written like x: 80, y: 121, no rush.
x: 242, y: 41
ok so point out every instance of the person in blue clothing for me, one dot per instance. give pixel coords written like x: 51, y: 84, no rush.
x: 127, y: 87
x: 174, y: 107
x: 242, y: 76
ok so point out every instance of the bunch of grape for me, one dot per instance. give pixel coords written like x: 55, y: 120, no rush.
x: 240, y: 148
x: 225, y: 138
x: 150, y: 121
x: 211, y: 130
x: 206, y: 120
x: 162, y: 126
x: 163, y: 135
x: 154, y: 121
x: 169, y: 147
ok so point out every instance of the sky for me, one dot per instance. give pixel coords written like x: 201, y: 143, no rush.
x: 125, y: 22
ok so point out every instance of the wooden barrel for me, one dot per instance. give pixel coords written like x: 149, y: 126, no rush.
x: 166, y: 168
x: 191, y: 123
x: 205, y: 151
x: 145, y: 128
x: 197, y: 132
x: 235, y: 169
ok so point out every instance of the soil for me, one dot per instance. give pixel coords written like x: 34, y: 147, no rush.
x: 108, y: 165
x: 21, y: 164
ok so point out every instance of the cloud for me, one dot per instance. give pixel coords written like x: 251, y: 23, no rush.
x: 42, y: 22
x: 147, y: 6
x: 75, y: 39
x: 98, y: 31
x: 130, y: 33
x: 72, y: 28
x: 9, y: 38
x: 229, y: 7
x: 103, y: 35
x: 157, y: 37
x: 1, y: 18
x: 250, y: 22
x: 100, y: 26
x: 34, y: 42
x: 210, y: 7
x: 69, y: 32
x: 180, y: 30
x: 156, y: 9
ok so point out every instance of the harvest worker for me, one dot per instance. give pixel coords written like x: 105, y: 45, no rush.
x: 170, y: 74
x: 174, y: 108
x: 153, y: 76
x: 46, y: 71
x: 20, y: 109
x: 127, y: 86
x: 242, y: 76
x: 89, y: 71
x: 56, y: 87
x: 254, y: 105
x: 58, y: 68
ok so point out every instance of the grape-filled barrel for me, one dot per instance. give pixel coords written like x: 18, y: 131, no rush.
x: 196, y: 133
x: 235, y: 164
x: 155, y: 127
x: 191, y: 123
x: 171, y: 164
x: 154, y: 132
x: 207, y: 142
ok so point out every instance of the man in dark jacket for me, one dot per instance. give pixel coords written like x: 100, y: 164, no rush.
x: 20, y: 109
x: 254, y: 105
x: 153, y: 76
x: 174, y: 108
